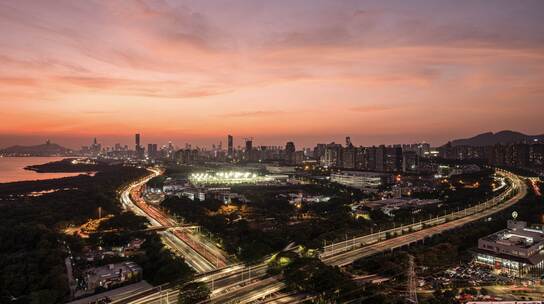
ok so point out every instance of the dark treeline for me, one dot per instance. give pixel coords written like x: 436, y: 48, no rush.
x: 66, y: 165
x: 266, y: 224
x: 81, y: 181
x: 32, y: 268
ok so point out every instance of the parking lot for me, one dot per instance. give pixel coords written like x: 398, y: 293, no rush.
x: 467, y: 275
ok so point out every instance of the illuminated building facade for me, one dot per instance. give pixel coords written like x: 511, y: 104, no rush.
x: 517, y: 251
x: 361, y: 180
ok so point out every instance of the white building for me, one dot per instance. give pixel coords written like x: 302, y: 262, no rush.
x: 517, y: 250
x: 369, y: 181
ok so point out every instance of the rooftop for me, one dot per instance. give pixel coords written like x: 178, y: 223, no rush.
x: 361, y: 173
x: 517, y: 235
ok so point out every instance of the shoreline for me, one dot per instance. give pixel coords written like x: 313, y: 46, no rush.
x: 28, y: 169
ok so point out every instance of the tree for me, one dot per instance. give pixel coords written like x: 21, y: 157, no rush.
x: 125, y: 221
x: 311, y: 275
x: 194, y: 292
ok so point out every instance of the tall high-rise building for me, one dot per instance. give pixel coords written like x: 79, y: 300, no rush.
x: 410, y: 160
x: 137, y: 138
x: 96, y: 147
x: 290, y: 153
x: 319, y: 151
x: 348, y: 142
x: 332, y: 156
x: 152, y: 151
x: 392, y: 159
x: 230, y: 141
x: 138, y: 148
x: 349, y: 155
x: 249, y: 149
x: 380, y: 158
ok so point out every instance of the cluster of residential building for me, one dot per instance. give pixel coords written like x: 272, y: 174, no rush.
x: 139, y: 152
x: 407, y: 158
x: 381, y: 158
x: 521, y: 155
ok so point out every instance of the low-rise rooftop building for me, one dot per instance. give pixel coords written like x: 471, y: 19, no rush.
x: 113, y: 274
x: 517, y: 250
x: 369, y: 181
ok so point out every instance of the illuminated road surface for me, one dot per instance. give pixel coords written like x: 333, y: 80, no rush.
x: 468, y: 214
x: 350, y: 256
x: 157, y: 219
x: 222, y: 282
x: 226, y: 285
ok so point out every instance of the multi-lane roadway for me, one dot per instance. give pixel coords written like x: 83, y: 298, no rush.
x: 238, y: 283
x: 346, y: 252
x: 198, y: 255
x: 350, y: 256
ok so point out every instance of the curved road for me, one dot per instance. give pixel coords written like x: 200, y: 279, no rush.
x: 193, y: 258
x: 225, y: 283
x: 348, y: 257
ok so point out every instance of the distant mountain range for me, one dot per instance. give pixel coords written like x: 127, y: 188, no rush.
x: 502, y: 137
x: 47, y: 149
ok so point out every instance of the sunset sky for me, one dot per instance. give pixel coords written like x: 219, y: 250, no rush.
x: 309, y: 71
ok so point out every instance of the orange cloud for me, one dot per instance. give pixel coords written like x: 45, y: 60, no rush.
x: 164, y: 68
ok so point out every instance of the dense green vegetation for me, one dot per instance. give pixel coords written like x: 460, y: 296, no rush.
x: 310, y: 275
x: 266, y: 222
x: 265, y: 225
x: 156, y: 182
x: 126, y: 221
x: 66, y: 165
x: 32, y: 267
x: 236, y: 235
x: 160, y: 265
x: 391, y: 265
x: 448, y: 249
x: 194, y: 292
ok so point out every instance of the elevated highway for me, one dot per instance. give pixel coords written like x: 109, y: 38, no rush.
x: 234, y: 284
x: 198, y: 255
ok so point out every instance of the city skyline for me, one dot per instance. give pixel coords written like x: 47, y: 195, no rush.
x: 287, y: 151
x: 238, y: 142
x: 193, y: 71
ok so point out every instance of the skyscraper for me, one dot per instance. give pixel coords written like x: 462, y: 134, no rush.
x: 290, y: 153
x: 95, y: 147
x: 249, y: 149
x: 348, y: 142
x: 152, y: 151
x: 138, y: 148
x: 230, y: 151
